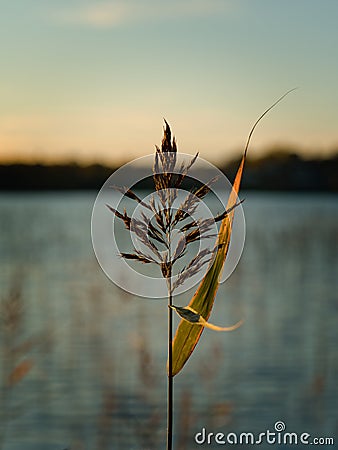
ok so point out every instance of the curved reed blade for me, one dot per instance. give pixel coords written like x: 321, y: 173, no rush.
x: 188, y: 334
x: 191, y: 316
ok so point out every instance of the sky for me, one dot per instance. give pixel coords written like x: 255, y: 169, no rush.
x: 90, y: 81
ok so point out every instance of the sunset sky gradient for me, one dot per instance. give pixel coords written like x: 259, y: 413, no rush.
x: 90, y: 81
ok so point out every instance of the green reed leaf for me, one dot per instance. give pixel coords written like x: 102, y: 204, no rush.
x: 188, y: 334
x: 191, y: 316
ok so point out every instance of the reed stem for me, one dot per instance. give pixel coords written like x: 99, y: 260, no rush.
x: 170, y: 377
x: 170, y: 399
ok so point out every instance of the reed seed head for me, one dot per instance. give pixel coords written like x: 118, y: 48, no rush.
x: 155, y: 233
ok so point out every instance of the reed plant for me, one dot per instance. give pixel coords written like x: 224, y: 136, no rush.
x: 161, y: 248
x: 14, y: 349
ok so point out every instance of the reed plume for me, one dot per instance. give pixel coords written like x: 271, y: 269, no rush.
x: 154, y: 229
x: 156, y: 224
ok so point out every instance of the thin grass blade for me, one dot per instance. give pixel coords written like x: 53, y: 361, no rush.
x: 191, y: 316
x: 187, y: 334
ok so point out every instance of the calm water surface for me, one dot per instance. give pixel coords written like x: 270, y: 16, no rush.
x: 83, y: 363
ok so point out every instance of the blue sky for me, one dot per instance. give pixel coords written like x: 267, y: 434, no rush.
x: 91, y: 80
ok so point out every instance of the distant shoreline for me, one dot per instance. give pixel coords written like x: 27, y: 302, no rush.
x: 275, y: 172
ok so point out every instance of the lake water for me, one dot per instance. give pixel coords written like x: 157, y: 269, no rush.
x: 83, y: 363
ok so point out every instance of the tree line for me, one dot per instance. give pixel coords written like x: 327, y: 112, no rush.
x: 273, y: 172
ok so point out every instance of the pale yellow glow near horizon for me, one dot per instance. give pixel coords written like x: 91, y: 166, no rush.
x: 90, y: 81
x: 113, y: 138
